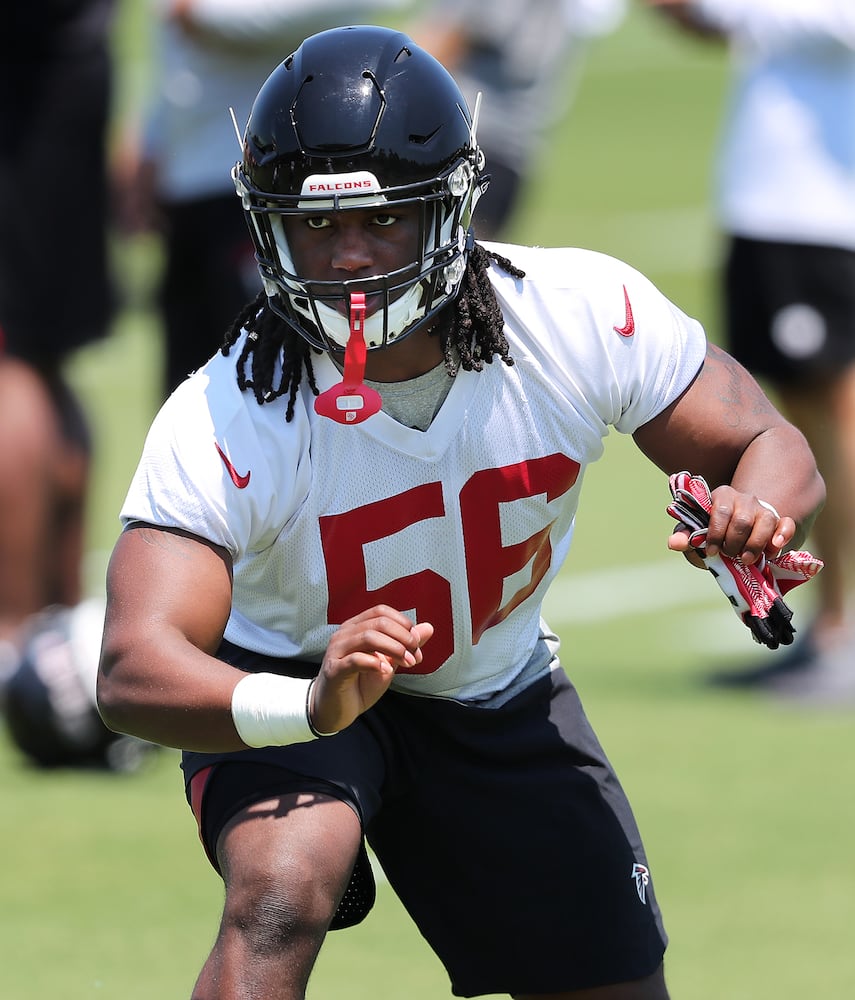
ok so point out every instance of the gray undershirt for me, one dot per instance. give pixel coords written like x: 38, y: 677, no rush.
x: 416, y: 401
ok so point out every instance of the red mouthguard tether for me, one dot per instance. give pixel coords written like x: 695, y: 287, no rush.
x: 351, y: 401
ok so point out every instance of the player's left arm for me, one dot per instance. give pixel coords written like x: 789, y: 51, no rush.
x: 724, y: 428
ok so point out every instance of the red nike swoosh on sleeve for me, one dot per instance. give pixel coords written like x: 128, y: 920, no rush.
x: 628, y: 329
x: 240, y: 481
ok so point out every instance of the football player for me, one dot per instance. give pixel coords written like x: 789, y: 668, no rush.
x: 336, y: 545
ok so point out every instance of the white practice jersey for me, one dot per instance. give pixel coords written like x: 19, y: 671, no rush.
x: 463, y: 525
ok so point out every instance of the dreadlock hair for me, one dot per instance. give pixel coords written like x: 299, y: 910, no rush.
x: 473, y: 335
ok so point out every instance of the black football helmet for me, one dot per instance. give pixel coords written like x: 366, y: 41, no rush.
x: 48, y: 700
x: 360, y: 117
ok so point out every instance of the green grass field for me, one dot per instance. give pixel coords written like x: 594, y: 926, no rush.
x: 746, y: 806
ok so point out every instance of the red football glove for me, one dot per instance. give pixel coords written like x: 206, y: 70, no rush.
x: 755, y: 592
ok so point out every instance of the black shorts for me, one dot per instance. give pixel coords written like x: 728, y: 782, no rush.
x: 504, y: 832
x: 790, y: 309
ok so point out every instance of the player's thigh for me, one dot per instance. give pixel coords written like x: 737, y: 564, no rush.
x: 286, y: 862
x: 30, y: 432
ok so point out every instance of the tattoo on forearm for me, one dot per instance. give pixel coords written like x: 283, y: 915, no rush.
x: 737, y: 390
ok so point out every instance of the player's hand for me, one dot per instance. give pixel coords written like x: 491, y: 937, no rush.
x: 735, y: 524
x: 739, y: 539
x: 360, y: 662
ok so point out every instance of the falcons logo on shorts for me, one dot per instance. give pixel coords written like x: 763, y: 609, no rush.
x: 642, y: 877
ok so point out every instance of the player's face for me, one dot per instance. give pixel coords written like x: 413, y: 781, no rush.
x: 356, y: 244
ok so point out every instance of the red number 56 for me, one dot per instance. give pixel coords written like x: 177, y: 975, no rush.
x: 488, y: 561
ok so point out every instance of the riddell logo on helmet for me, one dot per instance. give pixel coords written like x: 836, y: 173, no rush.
x: 352, y: 187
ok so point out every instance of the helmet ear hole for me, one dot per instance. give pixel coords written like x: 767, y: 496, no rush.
x: 371, y: 119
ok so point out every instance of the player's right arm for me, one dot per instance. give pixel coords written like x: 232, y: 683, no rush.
x: 168, y: 600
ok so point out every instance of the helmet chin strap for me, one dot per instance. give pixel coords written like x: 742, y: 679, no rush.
x: 351, y: 401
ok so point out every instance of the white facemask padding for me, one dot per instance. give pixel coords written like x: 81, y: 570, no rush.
x: 401, y: 312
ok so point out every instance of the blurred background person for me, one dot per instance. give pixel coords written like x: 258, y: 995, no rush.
x: 56, y: 295
x: 55, y: 289
x: 174, y: 173
x: 786, y: 203
x: 524, y: 57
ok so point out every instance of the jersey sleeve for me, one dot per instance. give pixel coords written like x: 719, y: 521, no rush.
x: 618, y: 348
x: 659, y: 360
x: 206, y: 466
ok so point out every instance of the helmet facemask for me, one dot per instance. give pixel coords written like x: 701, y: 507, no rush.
x: 411, y: 295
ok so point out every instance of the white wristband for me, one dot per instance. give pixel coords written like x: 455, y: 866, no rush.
x: 270, y: 710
